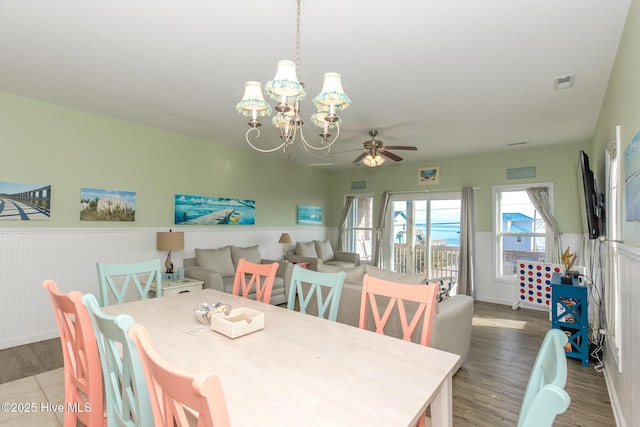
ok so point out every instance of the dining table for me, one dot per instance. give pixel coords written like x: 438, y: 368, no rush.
x: 301, y: 370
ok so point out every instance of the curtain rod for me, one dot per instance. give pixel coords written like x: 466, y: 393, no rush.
x: 430, y: 191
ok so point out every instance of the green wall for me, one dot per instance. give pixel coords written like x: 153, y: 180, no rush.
x: 557, y: 164
x: 621, y: 106
x: 42, y: 143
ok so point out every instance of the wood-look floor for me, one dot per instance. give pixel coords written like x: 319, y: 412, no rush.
x: 488, y: 389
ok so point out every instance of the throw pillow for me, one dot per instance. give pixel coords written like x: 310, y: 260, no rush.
x: 251, y: 254
x: 324, y: 250
x: 307, y: 249
x: 218, y: 260
x: 445, y: 284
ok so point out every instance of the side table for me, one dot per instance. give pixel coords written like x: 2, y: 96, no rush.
x: 179, y: 286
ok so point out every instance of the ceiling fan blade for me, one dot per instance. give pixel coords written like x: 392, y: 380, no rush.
x: 400, y: 147
x: 360, y: 157
x: 346, y: 151
x: 391, y: 155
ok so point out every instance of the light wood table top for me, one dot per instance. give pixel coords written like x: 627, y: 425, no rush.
x: 302, y: 370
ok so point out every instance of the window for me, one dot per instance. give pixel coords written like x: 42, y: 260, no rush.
x: 359, y: 228
x: 520, y: 232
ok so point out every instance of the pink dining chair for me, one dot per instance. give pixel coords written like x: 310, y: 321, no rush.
x: 179, y: 395
x: 396, y: 294
x: 83, y: 396
x: 249, y: 274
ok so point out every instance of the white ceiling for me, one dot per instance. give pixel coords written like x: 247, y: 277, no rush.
x: 451, y: 77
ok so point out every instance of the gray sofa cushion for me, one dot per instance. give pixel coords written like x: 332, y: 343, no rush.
x: 250, y: 253
x: 390, y: 276
x: 306, y: 249
x: 218, y: 260
x: 324, y: 250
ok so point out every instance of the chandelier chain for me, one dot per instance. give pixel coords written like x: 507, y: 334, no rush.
x: 298, y: 40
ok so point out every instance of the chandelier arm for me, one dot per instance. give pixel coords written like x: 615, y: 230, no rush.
x: 262, y: 150
x: 308, y: 147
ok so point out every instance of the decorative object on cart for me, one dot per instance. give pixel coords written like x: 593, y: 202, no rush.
x: 288, y: 92
x: 285, y: 239
x: 428, y: 176
x: 25, y: 202
x: 169, y: 241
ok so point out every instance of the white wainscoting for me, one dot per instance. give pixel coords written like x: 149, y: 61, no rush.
x: 624, y: 384
x: 69, y: 256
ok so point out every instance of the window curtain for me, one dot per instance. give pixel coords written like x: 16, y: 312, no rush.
x: 466, y: 283
x: 539, y: 196
x: 348, y: 203
x: 378, y: 260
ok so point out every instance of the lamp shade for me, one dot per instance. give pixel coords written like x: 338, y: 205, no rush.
x: 169, y: 240
x: 373, y: 161
x: 285, y: 83
x: 332, y: 95
x: 285, y: 238
x: 253, y: 102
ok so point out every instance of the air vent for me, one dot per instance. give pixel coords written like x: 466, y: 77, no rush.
x: 564, y: 82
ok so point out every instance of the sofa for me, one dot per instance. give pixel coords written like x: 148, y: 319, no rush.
x: 320, y: 252
x: 453, y: 318
x: 217, y: 269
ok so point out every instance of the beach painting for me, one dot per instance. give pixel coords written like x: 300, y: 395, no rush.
x: 107, y: 205
x: 24, y: 202
x: 309, y: 215
x: 632, y: 178
x: 205, y: 210
x: 430, y: 175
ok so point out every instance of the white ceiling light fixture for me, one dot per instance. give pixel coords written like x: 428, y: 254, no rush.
x: 288, y: 92
x: 373, y: 159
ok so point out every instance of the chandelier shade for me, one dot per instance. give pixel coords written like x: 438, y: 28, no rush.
x: 285, y: 86
x: 332, y: 96
x: 253, y: 103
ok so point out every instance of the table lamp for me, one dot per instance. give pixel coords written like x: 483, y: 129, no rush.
x: 285, y: 238
x: 170, y: 241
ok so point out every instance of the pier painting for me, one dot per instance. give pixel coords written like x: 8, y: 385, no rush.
x: 24, y: 202
x: 309, y: 215
x: 204, y: 210
x: 107, y: 205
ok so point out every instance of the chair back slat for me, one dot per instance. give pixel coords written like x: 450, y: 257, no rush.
x: 251, y: 276
x: 396, y: 295
x: 117, y: 281
x: 127, y: 397
x: 324, y: 288
x: 82, y: 373
x: 179, y: 395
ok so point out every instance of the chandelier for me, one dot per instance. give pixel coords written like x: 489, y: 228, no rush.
x: 287, y: 91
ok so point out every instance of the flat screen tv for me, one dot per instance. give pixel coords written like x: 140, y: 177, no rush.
x: 593, y: 201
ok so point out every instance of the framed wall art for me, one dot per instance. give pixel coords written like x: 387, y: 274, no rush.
x: 309, y: 215
x: 24, y: 202
x: 107, y: 205
x: 205, y: 210
x: 429, y: 175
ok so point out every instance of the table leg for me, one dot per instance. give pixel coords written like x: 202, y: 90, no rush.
x: 442, y: 405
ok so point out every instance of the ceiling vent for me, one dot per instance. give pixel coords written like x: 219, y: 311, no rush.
x: 564, y: 82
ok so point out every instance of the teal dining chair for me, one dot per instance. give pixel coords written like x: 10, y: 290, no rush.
x: 125, y: 387
x: 545, y: 396
x: 115, y: 281
x: 324, y: 288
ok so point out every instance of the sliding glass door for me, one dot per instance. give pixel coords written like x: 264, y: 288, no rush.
x: 425, y: 235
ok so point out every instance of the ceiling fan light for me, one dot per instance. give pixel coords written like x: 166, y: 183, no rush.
x: 373, y: 161
x: 253, y: 101
x: 285, y: 83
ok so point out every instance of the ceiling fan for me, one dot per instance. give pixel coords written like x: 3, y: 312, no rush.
x: 374, y: 149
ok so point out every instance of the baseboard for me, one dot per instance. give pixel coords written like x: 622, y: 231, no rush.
x: 29, y: 339
x: 615, y: 402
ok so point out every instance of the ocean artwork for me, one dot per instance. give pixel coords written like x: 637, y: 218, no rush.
x: 309, y: 215
x: 204, y: 210
x: 632, y: 178
x: 24, y: 202
x: 107, y: 205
